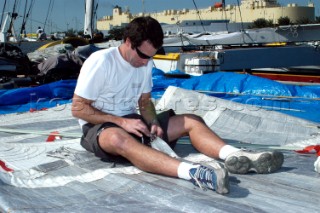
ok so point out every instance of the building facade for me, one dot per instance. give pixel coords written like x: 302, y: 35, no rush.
x: 248, y: 11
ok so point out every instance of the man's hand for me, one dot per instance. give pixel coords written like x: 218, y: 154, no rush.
x: 148, y: 112
x: 135, y: 126
x: 156, y: 131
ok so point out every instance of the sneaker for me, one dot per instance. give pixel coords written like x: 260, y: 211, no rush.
x: 242, y: 162
x: 210, y: 178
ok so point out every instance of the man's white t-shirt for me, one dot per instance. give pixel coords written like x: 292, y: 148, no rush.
x: 112, y: 83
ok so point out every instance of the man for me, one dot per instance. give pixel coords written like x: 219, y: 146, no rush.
x: 41, y: 34
x: 112, y: 82
x: 39, y: 30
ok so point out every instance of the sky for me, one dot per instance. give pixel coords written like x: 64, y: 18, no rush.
x: 61, y: 15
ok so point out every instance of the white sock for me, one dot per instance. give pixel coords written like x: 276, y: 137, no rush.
x: 183, y: 170
x: 227, y: 150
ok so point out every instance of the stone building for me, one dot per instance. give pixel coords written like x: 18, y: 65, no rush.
x: 248, y: 11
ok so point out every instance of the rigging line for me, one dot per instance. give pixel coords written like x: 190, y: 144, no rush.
x: 51, y: 9
x: 30, y: 8
x: 85, y: 9
x: 181, y: 39
x: 95, y: 15
x: 85, y: 13
x: 26, y: 16
x: 93, y: 12
x: 64, y: 14
x: 14, y: 6
x: 29, y: 14
x: 3, y: 9
x: 185, y: 38
x: 13, y: 16
x: 48, y: 13
x: 195, y: 5
x: 225, y: 14
x: 241, y: 21
x: 198, y: 12
x: 23, y: 21
x: 18, y: 5
x: 39, y: 22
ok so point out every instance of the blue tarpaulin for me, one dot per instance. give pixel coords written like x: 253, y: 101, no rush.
x: 36, y: 98
x: 300, y: 101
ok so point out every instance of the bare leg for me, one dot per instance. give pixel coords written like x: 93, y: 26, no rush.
x: 201, y: 136
x: 118, y: 142
x: 208, y: 143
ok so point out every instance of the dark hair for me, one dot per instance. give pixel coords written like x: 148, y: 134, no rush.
x: 144, y: 29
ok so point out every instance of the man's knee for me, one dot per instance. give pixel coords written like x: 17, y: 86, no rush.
x: 192, y: 118
x: 113, y: 140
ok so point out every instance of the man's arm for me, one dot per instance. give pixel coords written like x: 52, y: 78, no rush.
x: 82, y: 108
x: 148, y: 112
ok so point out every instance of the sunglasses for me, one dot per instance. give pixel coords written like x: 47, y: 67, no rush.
x: 142, y: 55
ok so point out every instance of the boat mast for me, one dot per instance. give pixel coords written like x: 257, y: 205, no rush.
x: 88, y: 19
x: 6, y: 32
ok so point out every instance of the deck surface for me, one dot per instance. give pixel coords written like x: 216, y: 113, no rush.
x: 293, y: 188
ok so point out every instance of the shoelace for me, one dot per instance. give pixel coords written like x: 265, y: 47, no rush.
x: 203, y: 175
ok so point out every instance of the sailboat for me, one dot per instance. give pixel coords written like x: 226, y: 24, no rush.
x: 20, y: 70
x: 267, y: 52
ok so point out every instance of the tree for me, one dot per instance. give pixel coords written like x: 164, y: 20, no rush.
x: 70, y: 33
x: 284, y: 21
x: 116, y: 33
x: 303, y: 21
x: 262, y: 23
x: 80, y: 33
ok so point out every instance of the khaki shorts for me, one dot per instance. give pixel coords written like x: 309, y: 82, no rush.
x: 89, y: 139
